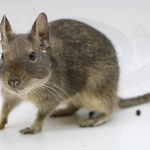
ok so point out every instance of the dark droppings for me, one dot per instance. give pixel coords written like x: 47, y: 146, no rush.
x: 138, y: 112
x: 91, y: 114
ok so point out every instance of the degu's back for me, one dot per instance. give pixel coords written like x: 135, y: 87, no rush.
x: 83, y: 54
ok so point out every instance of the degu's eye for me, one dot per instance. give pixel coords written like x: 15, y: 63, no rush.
x: 2, y: 56
x: 32, y: 56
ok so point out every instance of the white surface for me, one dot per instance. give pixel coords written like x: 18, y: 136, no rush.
x: 127, y: 24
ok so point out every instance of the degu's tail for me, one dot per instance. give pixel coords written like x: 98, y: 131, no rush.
x: 124, y: 103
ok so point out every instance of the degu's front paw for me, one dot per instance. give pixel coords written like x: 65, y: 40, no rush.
x: 30, y: 130
x: 2, y: 124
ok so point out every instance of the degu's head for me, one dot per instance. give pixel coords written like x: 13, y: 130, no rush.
x: 25, y: 60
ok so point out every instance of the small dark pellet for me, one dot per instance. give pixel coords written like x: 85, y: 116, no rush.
x: 138, y: 112
x: 91, y: 114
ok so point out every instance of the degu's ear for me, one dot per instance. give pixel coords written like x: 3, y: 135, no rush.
x: 40, y: 31
x: 6, y: 30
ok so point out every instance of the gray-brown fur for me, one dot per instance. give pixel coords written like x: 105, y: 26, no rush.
x: 125, y: 103
x: 75, y: 64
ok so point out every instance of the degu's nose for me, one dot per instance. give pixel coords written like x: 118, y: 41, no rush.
x: 14, y: 82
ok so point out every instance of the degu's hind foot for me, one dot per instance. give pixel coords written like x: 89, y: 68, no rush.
x: 101, y: 119
x: 62, y: 112
x: 69, y: 110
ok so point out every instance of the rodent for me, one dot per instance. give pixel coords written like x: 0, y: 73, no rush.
x: 64, y: 61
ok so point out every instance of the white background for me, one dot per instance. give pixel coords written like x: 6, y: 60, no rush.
x: 127, y: 24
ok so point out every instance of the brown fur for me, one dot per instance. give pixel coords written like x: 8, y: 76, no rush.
x: 74, y: 64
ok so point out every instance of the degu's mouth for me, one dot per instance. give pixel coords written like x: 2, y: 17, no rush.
x: 16, y: 91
